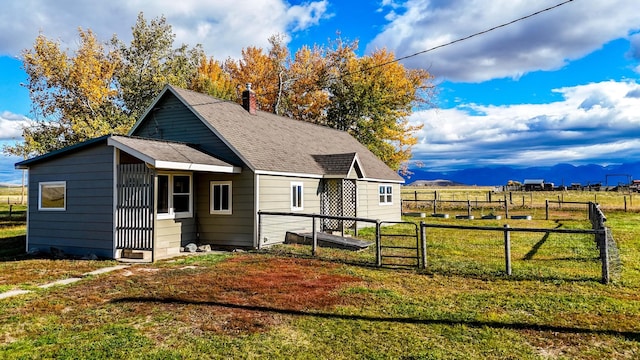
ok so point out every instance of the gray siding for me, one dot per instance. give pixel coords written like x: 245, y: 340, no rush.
x: 275, y: 195
x: 86, y: 226
x: 369, y: 202
x: 235, y: 229
x: 174, y: 121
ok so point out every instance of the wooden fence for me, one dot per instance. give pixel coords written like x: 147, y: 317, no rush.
x: 602, y: 236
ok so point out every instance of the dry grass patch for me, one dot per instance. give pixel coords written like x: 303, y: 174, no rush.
x: 243, y: 295
x: 28, y: 272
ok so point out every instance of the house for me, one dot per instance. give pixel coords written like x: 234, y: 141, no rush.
x: 533, y: 184
x: 198, y: 169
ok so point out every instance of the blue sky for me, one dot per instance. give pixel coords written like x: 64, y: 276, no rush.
x: 560, y: 87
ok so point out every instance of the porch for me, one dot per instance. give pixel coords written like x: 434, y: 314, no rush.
x: 155, y: 214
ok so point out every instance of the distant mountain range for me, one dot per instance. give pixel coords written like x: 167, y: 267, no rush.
x: 558, y: 174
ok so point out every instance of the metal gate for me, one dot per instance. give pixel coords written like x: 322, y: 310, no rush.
x: 339, y: 198
x: 400, y: 248
x: 134, y: 207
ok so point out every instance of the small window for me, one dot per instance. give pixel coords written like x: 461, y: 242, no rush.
x: 386, y: 194
x: 181, y: 193
x: 296, y: 196
x: 174, y: 196
x: 53, y: 196
x: 163, y: 194
x: 221, y: 197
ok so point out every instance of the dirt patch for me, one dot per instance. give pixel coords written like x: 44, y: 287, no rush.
x: 244, y: 294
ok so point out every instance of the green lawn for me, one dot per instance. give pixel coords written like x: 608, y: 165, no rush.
x: 283, y: 304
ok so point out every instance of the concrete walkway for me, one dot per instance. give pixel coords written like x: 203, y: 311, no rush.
x: 11, y: 293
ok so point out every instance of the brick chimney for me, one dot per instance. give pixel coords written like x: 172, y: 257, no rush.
x: 249, y: 100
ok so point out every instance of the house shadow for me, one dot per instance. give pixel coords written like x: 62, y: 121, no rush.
x: 629, y: 335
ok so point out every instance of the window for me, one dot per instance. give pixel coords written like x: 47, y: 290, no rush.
x: 386, y: 194
x: 174, y: 196
x: 221, y: 197
x: 296, y: 196
x: 53, y: 196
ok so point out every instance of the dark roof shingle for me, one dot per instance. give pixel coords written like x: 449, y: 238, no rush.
x: 269, y: 142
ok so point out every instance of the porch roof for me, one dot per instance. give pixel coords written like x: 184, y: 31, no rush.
x: 170, y: 155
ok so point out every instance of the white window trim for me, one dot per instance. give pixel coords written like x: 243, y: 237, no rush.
x: 291, y: 198
x: 57, y: 183
x: 385, y: 194
x: 220, y: 212
x: 171, y: 214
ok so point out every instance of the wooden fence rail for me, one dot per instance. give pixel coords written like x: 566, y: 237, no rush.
x: 599, y: 235
x: 599, y: 231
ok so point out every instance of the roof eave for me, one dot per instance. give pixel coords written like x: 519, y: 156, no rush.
x: 24, y: 165
x: 173, y: 165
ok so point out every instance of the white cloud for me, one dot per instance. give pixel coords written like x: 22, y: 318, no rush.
x: 11, y: 125
x: 223, y: 27
x: 538, y: 134
x: 307, y: 15
x: 543, y: 42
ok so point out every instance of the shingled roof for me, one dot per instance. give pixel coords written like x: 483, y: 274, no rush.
x: 270, y: 143
x: 163, y: 154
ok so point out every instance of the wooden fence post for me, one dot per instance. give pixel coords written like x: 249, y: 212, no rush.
x: 314, y: 237
x: 506, y: 207
x: 423, y: 244
x: 546, y: 209
x: 468, y: 209
x: 507, y: 249
x: 378, y: 245
x: 434, y: 205
x: 604, y: 254
x: 559, y: 203
x: 259, y: 227
x: 625, y: 204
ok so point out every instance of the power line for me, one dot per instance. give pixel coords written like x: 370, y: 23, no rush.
x: 457, y: 40
x: 469, y: 36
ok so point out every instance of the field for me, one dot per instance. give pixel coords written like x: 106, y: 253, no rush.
x: 519, y: 199
x: 282, y: 303
x: 12, y: 222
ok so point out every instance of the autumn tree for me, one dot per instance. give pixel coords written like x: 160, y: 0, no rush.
x: 150, y: 62
x: 99, y: 88
x: 266, y: 72
x: 72, y: 94
x: 371, y: 97
x: 211, y: 79
x: 306, y: 97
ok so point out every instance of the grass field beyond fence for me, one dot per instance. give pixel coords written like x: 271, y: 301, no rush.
x: 456, y: 197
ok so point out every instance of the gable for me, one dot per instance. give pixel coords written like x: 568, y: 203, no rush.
x: 170, y: 119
